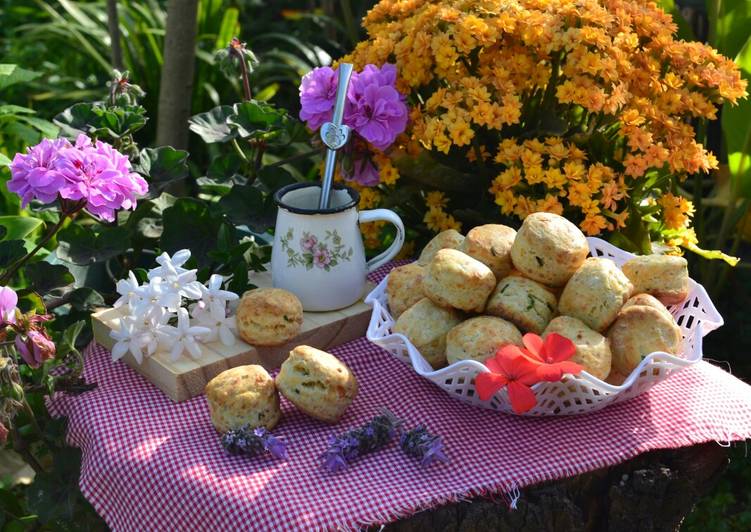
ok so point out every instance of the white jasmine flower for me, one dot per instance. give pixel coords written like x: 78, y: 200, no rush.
x: 220, y: 325
x: 166, y: 262
x: 213, y: 296
x: 154, y: 295
x: 128, y: 290
x: 183, y: 337
x: 182, y: 282
x: 129, y: 338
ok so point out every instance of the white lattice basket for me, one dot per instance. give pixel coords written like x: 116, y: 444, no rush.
x: 696, y: 316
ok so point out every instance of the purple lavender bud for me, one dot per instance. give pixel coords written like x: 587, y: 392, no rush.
x: 350, y: 445
x: 421, y: 444
x: 253, y: 442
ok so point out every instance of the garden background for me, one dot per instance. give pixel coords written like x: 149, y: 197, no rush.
x: 58, y: 59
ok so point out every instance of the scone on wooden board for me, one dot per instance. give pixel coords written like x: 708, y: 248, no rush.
x: 426, y: 325
x: 479, y: 338
x: 524, y: 302
x: 548, y: 248
x: 404, y: 287
x: 454, y: 279
x: 245, y: 395
x: 595, y: 293
x: 639, y: 331
x: 317, y: 383
x: 268, y: 316
x: 663, y: 276
x: 448, y: 239
x: 491, y: 245
x: 592, y: 348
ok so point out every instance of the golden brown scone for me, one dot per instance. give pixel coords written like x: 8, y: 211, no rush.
x: 595, y: 293
x: 479, y: 338
x: 663, y: 276
x: 491, y: 245
x: 454, y: 279
x: 548, y: 248
x: 639, y: 331
x: 448, y: 239
x: 592, y: 348
x: 268, y: 316
x: 404, y: 287
x: 426, y: 325
x: 524, y: 302
x: 317, y: 383
x: 615, y: 378
x: 244, y: 395
x: 645, y: 300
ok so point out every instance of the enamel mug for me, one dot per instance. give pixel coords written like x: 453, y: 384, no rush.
x: 318, y: 254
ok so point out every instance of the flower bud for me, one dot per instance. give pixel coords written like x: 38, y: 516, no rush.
x: 35, y: 347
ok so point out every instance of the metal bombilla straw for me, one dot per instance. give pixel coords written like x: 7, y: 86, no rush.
x: 335, y: 134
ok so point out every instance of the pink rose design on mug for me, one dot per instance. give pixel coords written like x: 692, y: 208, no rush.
x: 324, y: 252
x: 308, y: 242
x: 321, y: 257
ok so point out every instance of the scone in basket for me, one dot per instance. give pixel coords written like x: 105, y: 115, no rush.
x: 696, y: 317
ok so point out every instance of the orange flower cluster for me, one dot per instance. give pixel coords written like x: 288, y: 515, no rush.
x: 573, y: 104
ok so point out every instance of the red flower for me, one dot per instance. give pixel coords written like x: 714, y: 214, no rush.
x: 552, y: 355
x: 509, y: 368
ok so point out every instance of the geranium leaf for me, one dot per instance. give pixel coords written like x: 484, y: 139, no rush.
x: 44, y: 277
x: 18, y: 227
x: 81, y: 245
x: 188, y: 224
x: 11, y: 251
x: 162, y: 166
x: 274, y: 178
x: 246, y: 205
x: 261, y: 121
x: 212, y: 125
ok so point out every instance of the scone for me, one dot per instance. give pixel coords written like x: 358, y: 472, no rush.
x: 245, y: 395
x: 448, y: 239
x: 317, y: 383
x: 548, y: 248
x: 479, y: 338
x: 454, y: 279
x: 595, y: 293
x: 645, y: 300
x: 592, y: 348
x: 663, y: 276
x: 524, y: 302
x: 426, y: 325
x: 268, y: 316
x: 404, y: 287
x: 491, y: 245
x: 639, y: 331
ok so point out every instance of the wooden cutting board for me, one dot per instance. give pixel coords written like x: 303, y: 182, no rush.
x: 185, y: 378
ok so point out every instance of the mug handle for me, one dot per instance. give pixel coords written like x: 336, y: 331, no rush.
x: 385, y: 215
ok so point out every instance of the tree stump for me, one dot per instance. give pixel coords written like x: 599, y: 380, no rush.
x: 652, y: 492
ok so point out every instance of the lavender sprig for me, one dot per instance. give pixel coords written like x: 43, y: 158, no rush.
x: 253, y: 442
x: 350, y: 445
x: 421, y: 444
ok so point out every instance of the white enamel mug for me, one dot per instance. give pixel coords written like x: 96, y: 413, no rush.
x: 318, y: 254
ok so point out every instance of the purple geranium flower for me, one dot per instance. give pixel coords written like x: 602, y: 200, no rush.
x: 8, y: 302
x: 364, y: 172
x: 379, y: 114
x: 34, y: 174
x: 317, y: 96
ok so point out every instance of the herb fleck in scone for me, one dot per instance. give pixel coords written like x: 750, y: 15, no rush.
x: 426, y: 325
x: 663, y: 276
x: 454, y: 279
x: 269, y: 316
x: 448, y: 239
x: 491, y: 245
x: 595, y: 293
x: 479, y: 338
x: 317, y: 383
x: 592, y: 348
x: 245, y: 395
x: 524, y: 302
x: 548, y: 248
x: 639, y: 331
x: 404, y: 287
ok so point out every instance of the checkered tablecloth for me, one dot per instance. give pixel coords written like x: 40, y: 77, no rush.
x: 151, y: 464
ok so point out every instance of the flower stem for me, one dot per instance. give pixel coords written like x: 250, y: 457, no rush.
x: 294, y: 158
x: 8, y: 275
x: 243, y: 71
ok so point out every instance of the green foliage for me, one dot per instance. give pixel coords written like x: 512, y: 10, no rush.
x: 736, y: 126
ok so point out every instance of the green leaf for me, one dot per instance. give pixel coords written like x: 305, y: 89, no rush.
x: 53, y: 496
x: 736, y: 126
x: 188, y: 224
x: 81, y: 245
x: 18, y: 227
x: 162, y: 166
x: 99, y: 120
x: 4, y: 161
x: 275, y: 177
x: 44, y: 277
x: 247, y: 205
x: 11, y: 251
x: 260, y: 121
x: 732, y: 26
x: 212, y: 125
x: 12, y: 74
x: 146, y: 220
x: 86, y: 299
x: 223, y: 167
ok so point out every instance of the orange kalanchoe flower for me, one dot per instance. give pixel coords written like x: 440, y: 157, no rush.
x: 519, y: 368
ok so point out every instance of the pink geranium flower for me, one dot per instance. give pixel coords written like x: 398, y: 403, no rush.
x: 317, y: 96
x: 8, y: 302
x: 34, y: 174
x: 36, y: 347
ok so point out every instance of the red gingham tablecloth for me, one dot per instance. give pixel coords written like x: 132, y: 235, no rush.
x: 151, y: 464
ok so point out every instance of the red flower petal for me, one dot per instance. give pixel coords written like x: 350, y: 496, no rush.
x: 558, y: 348
x: 487, y: 384
x: 549, y: 373
x: 522, y: 397
x: 534, y: 345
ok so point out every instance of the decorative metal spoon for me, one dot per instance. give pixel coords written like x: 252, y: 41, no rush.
x: 335, y: 134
